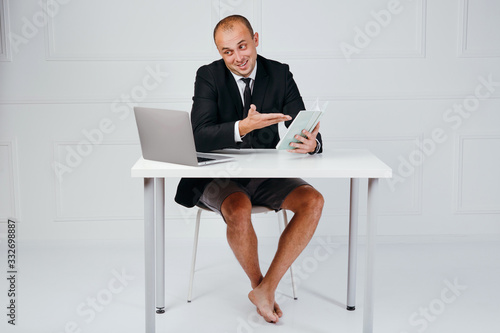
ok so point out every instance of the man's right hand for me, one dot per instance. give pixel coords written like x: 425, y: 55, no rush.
x: 256, y: 120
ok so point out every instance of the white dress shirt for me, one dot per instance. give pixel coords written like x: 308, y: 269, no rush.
x: 241, y: 87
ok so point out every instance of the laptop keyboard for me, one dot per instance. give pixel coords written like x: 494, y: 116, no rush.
x: 204, y: 159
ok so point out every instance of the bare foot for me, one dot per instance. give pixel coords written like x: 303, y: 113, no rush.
x: 266, y: 306
x: 277, y: 310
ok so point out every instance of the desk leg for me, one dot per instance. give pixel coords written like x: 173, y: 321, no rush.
x: 370, y: 253
x: 149, y: 241
x: 353, y: 245
x: 160, y: 244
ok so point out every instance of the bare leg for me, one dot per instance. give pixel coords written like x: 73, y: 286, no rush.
x: 307, y: 204
x: 241, y: 237
x: 236, y: 210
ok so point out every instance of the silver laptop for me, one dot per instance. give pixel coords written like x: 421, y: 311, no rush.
x: 167, y: 136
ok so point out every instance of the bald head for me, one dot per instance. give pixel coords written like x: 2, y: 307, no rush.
x: 227, y: 24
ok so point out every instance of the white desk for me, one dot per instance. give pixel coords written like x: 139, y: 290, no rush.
x: 266, y: 163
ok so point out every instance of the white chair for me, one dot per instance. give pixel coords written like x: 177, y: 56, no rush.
x: 255, y: 210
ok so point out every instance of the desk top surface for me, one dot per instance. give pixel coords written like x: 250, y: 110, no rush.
x: 267, y: 163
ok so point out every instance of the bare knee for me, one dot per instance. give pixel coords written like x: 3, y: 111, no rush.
x: 236, y: 209
x: 305, y: 199
x: 314, y: 202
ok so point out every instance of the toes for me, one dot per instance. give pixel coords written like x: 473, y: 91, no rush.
x: 271, y: 319
x: 277, y: 310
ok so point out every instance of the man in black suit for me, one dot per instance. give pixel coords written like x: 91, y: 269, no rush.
x: 238, y: 102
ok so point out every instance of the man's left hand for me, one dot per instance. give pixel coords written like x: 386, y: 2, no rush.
x: 307, y: 144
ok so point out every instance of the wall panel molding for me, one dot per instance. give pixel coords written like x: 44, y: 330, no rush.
x: 54, y: 54
x: 459, y: 178
x: 419, y: 50
x: 361, y: 96
x: 5, y: 51
x: 464, y: 50
x: 11, y: 187
x: 63, y: 202
x: 415, y: 201
x: 219, y: 9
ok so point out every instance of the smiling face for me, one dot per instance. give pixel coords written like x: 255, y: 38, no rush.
x: 238, y: 48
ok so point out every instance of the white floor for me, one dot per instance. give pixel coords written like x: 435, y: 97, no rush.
x: 93, y: 287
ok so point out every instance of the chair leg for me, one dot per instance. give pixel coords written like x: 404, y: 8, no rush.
x: 193, y: 260
x: 294, y: 288
x: 285, y: 223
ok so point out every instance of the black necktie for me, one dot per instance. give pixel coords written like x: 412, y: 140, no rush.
x: 247, y: 96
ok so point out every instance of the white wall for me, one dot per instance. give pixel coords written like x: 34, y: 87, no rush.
x: 80, y: 70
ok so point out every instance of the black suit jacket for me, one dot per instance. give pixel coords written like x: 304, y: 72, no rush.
x: 217, y: 106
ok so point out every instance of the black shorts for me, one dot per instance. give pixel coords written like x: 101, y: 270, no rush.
x: 268, y: 192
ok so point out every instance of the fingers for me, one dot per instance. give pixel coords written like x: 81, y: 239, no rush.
x: 298, y: 151
x: 313, y: 134
x: 306, y: 144
x: 301, y: 148
x: 256, y: 120
x: 301, y: 138
x: 261, y: 120
x: 274, y: 117
x: 316, y: 130
x: 253, y: 109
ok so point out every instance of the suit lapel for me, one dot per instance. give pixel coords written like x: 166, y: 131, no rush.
x: 235, y: 93
x: 260, y: 85
x: 259, y: 88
